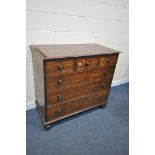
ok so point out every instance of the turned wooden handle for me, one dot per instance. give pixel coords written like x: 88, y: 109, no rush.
x: 60, y: 82
x: 103, y: 85
x: 61, y: 67
x: 105, y: 73
x: 48, y: 91
x: 108, y: 61
x: 87, y: 63
x: 59, y: 97
x: 48, y: 76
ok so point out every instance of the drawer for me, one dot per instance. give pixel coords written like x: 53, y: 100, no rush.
x: 110, y: 60
x: 61, y: 95
x: 67, y: 108
x: 58, y: 66
x: 86, y: 63
x: 61, y: 81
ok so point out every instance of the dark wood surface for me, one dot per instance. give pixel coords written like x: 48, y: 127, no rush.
x: 54, y: 97
x: 71, y: 78
x: 72, y: 50
x: 59, y: 66
x: 83, y: 64
x: 76, y: 105
x: 106, y: 61
x: 38, y: 71
x: 62, y: 81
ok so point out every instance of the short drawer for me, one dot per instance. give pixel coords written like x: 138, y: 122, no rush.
x: 58, y: 66
x: 61, y: 95
x: 53, y: 82
x: 106, y: 61
x: 86, y: 63
x: 64, y: 109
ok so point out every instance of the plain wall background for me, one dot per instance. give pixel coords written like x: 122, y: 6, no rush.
x: 77, y: 21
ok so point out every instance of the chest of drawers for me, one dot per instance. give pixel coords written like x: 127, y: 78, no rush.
x: 71, y: 78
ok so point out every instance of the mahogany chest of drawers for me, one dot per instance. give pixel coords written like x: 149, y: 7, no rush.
x: 71, y: 78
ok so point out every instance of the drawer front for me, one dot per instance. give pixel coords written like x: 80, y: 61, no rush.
x: 65, y: 109
x: 54, y: 97
x: 86, y: 63
x: 59, y: 66
x: 105, y: 61
x: 60, y: 81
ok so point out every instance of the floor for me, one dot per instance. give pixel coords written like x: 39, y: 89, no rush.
x: 94, y: 132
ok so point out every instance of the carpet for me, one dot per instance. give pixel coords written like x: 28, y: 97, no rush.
x: 94, y: 132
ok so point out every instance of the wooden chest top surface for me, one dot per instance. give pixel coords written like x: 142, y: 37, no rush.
x: 71, y: 50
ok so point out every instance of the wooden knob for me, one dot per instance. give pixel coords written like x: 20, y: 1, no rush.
x: 59, y: 97
x: 108, y: 61
x: 48, y: 91
x: 61, y: 67
x: 87, y: 64
x: 48, y: 76
x: 105, y: 73
x: 103, y: 85
x: 79, y: 63
x: 60, y: 82
x: 59, y: 111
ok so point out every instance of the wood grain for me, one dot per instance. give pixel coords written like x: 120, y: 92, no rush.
x: 61, y: 95
x: 71, y: 50
x: 59, y: 66
x: 77, y: 105
x: 86, y: 63
x: 39, y: 81
x: 75, y: 78
x: 71, y: 78
x: 106, y: 61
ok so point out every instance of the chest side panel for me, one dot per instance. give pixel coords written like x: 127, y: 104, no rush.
x: 38, y: 72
